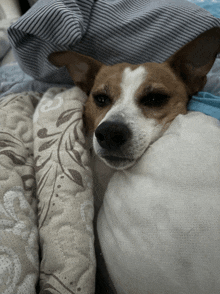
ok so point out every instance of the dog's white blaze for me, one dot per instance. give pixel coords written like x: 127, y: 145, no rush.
x: 131, y: 81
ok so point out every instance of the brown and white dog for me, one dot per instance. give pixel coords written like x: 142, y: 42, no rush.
x: 130, y: 106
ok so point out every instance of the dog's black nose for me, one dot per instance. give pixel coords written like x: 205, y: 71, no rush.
x: 112, y: 135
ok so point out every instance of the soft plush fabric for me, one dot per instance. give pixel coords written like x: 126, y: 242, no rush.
x: 110, y: 31
x: 19, y: 260
x: 9, y: 13
x: 43, y: 156
x: 64, y: 183
x: 159, y: 226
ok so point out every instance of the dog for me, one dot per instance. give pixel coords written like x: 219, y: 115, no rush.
x: 130, y: 106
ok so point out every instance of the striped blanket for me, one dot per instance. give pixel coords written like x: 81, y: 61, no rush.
x: 110, y: 31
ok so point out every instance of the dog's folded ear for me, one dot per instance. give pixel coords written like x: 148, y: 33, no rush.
x: 194, y: 60
x: 83, y: 69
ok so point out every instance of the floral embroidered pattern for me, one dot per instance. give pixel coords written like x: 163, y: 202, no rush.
x: 44, y: 163
x: 19, y: 260
x: 64, y: 191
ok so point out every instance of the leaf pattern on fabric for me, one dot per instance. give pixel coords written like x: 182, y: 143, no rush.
x: 38, y: 167
x: 73, y: 153
x: 18, y: 218
x: 65, y: 139
x: 76, y: 176
x: 66, y: 150
x: 43, y: 211
x: 29, y: 183
x: 66, y: 116
x: 11, y: 148
x: 64, y: 182
x: 7, y: 143
x: 16, y: 158
x: 77, y: 137
x: 42, y: 133
x: 49, y: 289
x: 47, y: 145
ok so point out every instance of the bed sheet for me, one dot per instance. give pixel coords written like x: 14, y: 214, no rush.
x: 46, y: 195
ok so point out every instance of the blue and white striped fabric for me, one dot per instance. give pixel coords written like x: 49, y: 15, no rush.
x: 111, y: 31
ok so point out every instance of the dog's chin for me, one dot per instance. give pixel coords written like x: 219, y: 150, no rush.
x: 118, y: 163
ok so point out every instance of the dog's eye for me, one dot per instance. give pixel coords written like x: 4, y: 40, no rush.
x: 154, y: 99
x: 101, y: 100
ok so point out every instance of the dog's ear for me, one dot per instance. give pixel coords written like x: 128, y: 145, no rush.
x: 82, y: 69
x: 194, y: 60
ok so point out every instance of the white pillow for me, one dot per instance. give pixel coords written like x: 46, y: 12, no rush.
x: 159, y: 226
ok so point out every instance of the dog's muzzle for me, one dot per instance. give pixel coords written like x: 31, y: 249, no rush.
x: 112, y: 135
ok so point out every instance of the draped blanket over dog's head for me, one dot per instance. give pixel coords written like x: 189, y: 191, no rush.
x: 110, y: 31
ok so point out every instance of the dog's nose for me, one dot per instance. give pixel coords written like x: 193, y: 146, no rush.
x: 112, y: 135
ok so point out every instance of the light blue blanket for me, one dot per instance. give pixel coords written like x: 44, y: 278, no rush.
x: 206, y: 103
x: 213, y: 6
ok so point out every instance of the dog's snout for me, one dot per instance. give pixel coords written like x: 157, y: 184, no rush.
x: 112, y: 135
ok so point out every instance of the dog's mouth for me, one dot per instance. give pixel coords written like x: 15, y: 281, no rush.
x: 118, y: 162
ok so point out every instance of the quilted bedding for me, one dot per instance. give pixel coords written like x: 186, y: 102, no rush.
x: 43, y: 153
x: 19, y: 235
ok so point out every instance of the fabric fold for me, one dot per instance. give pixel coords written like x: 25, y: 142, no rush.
x: 64, y: 190
x: 110, y: 31
x: 18, y: 206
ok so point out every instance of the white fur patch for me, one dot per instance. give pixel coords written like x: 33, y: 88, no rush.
x: 131, y: 81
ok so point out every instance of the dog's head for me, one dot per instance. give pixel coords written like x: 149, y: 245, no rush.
x: 130, y: 106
